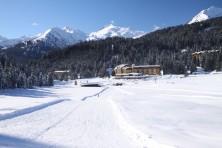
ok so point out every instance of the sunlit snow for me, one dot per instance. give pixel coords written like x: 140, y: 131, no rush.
x: 163, y: 111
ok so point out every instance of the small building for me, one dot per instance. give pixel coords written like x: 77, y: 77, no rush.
x: 127, y: 70
x: 198, y: 55
x: 62, y: 75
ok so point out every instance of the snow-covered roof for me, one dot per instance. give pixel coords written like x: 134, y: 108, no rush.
x: 146, y: 66
x: 126, y: 66
x: 200, y: 52
x: 120, y: 66
x: 61, y: 71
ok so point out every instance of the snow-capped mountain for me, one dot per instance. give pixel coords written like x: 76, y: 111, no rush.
x: 206, y: 14
x: 59, y: 38
x: 35, y: 46
x: 115, y: 31
x: 54, y: 37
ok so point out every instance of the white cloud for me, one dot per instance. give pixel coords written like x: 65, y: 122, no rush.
x: 155, y: 27
x: 35, y: 24
x: 112, y: 22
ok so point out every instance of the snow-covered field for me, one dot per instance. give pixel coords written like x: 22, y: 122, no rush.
x: 170, y: 112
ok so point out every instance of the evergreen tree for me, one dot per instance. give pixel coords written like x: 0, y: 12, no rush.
x: 50, y: 79
x: 25, y: 81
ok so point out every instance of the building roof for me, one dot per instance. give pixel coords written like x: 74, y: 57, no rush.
x: 146, y: 66
x: 121, y: 66
x: 61, y: 71
x: 200, y: 52
x: 126, y: 66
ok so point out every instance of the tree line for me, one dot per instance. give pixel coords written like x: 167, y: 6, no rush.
x: 14, y: 75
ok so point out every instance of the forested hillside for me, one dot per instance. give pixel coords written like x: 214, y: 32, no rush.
x: 171, y: 47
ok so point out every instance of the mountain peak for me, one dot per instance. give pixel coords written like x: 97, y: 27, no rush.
x: 206, y: 14
x: 111, y: 30
x: 111, y: 25
x: 68, y: 29
x: 60, y: 38
x: 54, y: 29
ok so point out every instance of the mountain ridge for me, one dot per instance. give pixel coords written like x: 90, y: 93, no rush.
x: 111, y: 30
x: 68, y: 36
x: 56, y: 38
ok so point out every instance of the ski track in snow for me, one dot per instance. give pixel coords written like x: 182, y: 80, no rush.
x: 124, y: 91
x: 83, y: 99
x: 56, y: 123
x: 137, y: 114
x: 28, y: 110
x: 132, y: 133
x: 95, y: 122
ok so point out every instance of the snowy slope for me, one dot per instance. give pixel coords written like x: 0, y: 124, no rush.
x: 115, y: 31
x: 182, y: 112
x: 94, y: 122
x: 171, y: 111
x: 206, y: 14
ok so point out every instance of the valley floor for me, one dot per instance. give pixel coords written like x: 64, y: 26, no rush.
x: 171, y: 111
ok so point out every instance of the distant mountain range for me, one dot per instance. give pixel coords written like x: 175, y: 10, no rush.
x: 60, y: 38
x: 115, y: 31
x: 206, y: 14
x: 55, y: 38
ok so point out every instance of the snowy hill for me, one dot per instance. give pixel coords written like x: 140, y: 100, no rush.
x: 115, y: 31
x: 206, y: 14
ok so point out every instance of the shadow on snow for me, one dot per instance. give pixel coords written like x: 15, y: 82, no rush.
x: 16, y: 142
x: 30, y: 93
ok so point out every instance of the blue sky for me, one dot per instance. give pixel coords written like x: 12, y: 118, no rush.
x: 29, y: 17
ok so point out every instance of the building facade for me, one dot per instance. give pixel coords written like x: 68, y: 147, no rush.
x: 62, y: 75
x: 125, y: 69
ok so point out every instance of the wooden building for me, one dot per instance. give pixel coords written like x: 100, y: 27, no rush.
x: 128, y: 70
x: 198, y: 55
x: 62, y: 75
